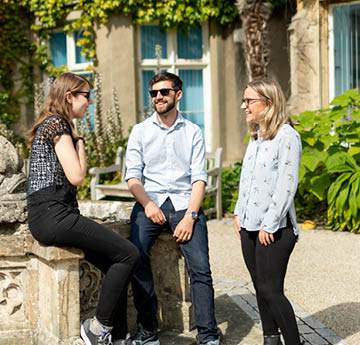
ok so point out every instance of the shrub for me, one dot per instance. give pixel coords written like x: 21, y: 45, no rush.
x: 103, y: 136
x: 329, y: 170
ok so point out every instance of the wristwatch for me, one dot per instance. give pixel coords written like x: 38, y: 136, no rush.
x: 193, y: 215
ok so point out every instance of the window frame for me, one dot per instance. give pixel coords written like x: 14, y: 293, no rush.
x: 78, y: 68
x: 173, y: 64
x: 331, y: 44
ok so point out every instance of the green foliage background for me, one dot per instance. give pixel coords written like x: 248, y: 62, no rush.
x: 330, y: 170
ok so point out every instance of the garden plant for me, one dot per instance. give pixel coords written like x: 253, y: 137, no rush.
x: 330, y: 167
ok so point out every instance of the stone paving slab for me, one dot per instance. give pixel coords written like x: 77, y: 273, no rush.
x: 312, y: 331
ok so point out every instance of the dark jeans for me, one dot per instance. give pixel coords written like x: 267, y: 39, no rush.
x: 267, y: 266
x: 56, y: 223
x: 196, y: 252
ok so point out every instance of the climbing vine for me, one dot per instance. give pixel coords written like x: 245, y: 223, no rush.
x: 170, y: 14
x: 16, y: 62
x: 24, y: 22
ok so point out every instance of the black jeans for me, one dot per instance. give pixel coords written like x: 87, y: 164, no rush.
x: 196, y: 252
x: 267, y: 266
x: 56, y: 223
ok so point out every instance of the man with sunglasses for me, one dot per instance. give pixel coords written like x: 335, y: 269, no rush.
x: 165, y: 163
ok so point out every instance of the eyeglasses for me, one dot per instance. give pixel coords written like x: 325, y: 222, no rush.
x: 164, y: 92
x: 248, y: 100
x: 86, y: 94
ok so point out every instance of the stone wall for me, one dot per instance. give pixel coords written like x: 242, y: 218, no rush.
x: 45, y: 291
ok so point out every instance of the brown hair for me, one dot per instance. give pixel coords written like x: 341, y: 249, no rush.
x: 274, y: 115
x: 163, y: 76
x: 55, y: 102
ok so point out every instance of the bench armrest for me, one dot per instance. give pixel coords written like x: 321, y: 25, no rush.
x: 213, y: 172
x: 110, y: 168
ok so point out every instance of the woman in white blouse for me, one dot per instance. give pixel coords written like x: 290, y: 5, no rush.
x: 265, y: 218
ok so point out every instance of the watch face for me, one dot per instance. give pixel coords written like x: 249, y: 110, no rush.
x: 193, y: 215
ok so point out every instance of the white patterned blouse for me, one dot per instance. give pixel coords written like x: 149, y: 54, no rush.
x: 268, y: 182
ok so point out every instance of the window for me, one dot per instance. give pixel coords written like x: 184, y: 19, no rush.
x: 187, y: 56
x: 65, y: 51
x: 344, y: 48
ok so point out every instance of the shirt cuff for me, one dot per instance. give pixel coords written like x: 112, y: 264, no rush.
x: 199, y: 177
x: 133, y: 173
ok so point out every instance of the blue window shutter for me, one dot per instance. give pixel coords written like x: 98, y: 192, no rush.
x: 91, y: 109
x: 58, y: 49
x: 146, y: 77
x: 192, y: 101
x: 190, y: 45
x: 150, y: 36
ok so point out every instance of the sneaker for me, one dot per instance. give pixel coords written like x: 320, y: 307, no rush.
x: 142, y: 337
x: 103, y: 338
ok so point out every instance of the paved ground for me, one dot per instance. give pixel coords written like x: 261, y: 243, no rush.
x: 323, y: 284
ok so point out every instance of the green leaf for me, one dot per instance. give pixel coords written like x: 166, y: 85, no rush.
x: 335, y: 187
x: 353, y: 198
x: 354, y: 150
x: 311, y: 159
x: 340, y: 162
x: 342, y: 199
x: 320, y: 185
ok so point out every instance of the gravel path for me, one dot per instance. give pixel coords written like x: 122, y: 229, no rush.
x: 323, y: 274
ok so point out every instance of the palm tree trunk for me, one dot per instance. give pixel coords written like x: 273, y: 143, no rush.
x: 255, y: 15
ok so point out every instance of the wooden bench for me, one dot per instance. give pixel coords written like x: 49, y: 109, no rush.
x: 213, y: 187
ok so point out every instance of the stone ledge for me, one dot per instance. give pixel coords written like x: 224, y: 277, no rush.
x: 105, y: 210
x: 52, y: 253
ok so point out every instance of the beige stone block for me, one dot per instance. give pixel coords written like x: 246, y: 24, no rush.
x: 12, y: 246
x: 13, y: 294
x: 59, y: 300
x: 50, y: 253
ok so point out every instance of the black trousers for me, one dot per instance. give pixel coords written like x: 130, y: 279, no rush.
x: 267, y: 266
x: 56, y: 223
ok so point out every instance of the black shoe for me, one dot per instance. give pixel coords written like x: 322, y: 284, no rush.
x: 272, y: 340
x: 103, y: 338
x: 142, y: 337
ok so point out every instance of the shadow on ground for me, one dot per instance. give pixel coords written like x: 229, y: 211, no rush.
x: 236, y: 327
x: 343, y: 318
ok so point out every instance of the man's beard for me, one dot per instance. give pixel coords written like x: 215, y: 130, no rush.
x: 170, y: 105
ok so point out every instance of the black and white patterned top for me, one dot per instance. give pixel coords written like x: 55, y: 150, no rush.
x: 47, y: 180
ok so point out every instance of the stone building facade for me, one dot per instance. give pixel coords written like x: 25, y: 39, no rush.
x: 210, y: 60
x: 324, y: 56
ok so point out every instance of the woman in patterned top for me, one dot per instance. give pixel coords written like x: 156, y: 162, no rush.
x: 57, y: 166
x: 265, y: 218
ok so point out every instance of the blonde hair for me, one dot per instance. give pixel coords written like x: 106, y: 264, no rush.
x: 274, y: 115
x: 55, y: 102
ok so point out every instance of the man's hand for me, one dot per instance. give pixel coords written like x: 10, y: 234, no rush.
x: 184, y: 229
x: 154, y: 213
x: 265, y: 238
x: 237, y: 227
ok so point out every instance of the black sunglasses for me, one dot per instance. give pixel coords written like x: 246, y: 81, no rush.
x: 86, y: 93
x: 164, y: 92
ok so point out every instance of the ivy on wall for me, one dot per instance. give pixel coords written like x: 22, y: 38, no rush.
x: 16, y: 60
x: 170, y: 14
x: 18, y: 30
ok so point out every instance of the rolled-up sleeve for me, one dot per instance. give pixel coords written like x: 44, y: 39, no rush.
x: 134, y: 155
x: 198, y: 160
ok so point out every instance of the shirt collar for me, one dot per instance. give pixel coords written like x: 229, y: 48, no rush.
x: 179, y: 120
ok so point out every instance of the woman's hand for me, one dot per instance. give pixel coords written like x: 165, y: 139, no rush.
x: 265, y: 238
x: 237, y: 227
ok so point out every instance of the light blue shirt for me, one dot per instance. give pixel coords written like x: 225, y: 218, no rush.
x: 268, y: 182
x: 168, y: 161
